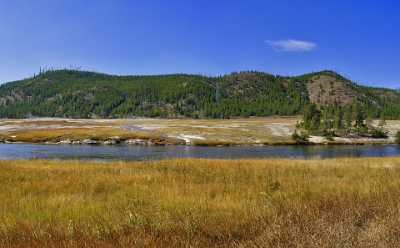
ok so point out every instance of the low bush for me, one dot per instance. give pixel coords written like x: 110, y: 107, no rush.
x: 300, y: 137
x: 378, y: 133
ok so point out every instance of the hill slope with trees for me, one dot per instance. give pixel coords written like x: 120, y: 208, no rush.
x: 80, y: 94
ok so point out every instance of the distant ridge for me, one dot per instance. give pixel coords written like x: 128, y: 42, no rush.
x: 83, y: 94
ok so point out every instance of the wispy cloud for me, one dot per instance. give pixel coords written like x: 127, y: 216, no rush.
x: 292, y: 45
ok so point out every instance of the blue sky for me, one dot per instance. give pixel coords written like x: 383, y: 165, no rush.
x: 360, y: 39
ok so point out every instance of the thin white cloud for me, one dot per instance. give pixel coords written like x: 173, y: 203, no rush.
x: 292, y: 45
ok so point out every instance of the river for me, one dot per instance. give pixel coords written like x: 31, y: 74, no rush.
x: 36, y: 151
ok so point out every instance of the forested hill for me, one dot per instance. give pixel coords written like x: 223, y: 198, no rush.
x: 79, y: 94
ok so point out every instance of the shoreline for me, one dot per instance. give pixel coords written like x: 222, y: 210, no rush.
x: 203, y: 144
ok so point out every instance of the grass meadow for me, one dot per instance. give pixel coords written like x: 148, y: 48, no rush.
x: 346, y: 202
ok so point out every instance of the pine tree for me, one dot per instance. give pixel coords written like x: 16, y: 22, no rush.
x: 398, y: 137
x: 311, y: 117
x: 358, y: 116
x: 382, y: 121
x: 316, y: 121
x: 338, y: 121
x: 348, y: 118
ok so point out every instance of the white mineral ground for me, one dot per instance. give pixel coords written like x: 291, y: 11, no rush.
x: 253, y: 130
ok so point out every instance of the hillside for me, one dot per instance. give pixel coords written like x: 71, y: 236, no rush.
x: 79, y: 94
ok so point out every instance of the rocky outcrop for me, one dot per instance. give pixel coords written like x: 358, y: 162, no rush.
x: 139, y: 142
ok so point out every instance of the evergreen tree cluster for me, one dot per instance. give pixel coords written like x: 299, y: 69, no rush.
x: 336, y: 120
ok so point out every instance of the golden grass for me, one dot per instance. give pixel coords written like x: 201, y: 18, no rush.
x: 201, y: 203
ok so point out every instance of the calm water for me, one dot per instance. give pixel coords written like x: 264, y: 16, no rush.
x: 27, y: 151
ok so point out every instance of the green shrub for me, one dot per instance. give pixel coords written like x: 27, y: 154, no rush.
x: 300, y: 138
x: 398, y: 137
x: 329, y: 135
x: 378, y: 133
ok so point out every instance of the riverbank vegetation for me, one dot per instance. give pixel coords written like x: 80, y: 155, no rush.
x: 339, y: 121
x: 342, y: 202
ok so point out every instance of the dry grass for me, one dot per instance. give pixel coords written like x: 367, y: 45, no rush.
x: 201, y: 203
x: 55, y: 135
x: 95, y: 133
